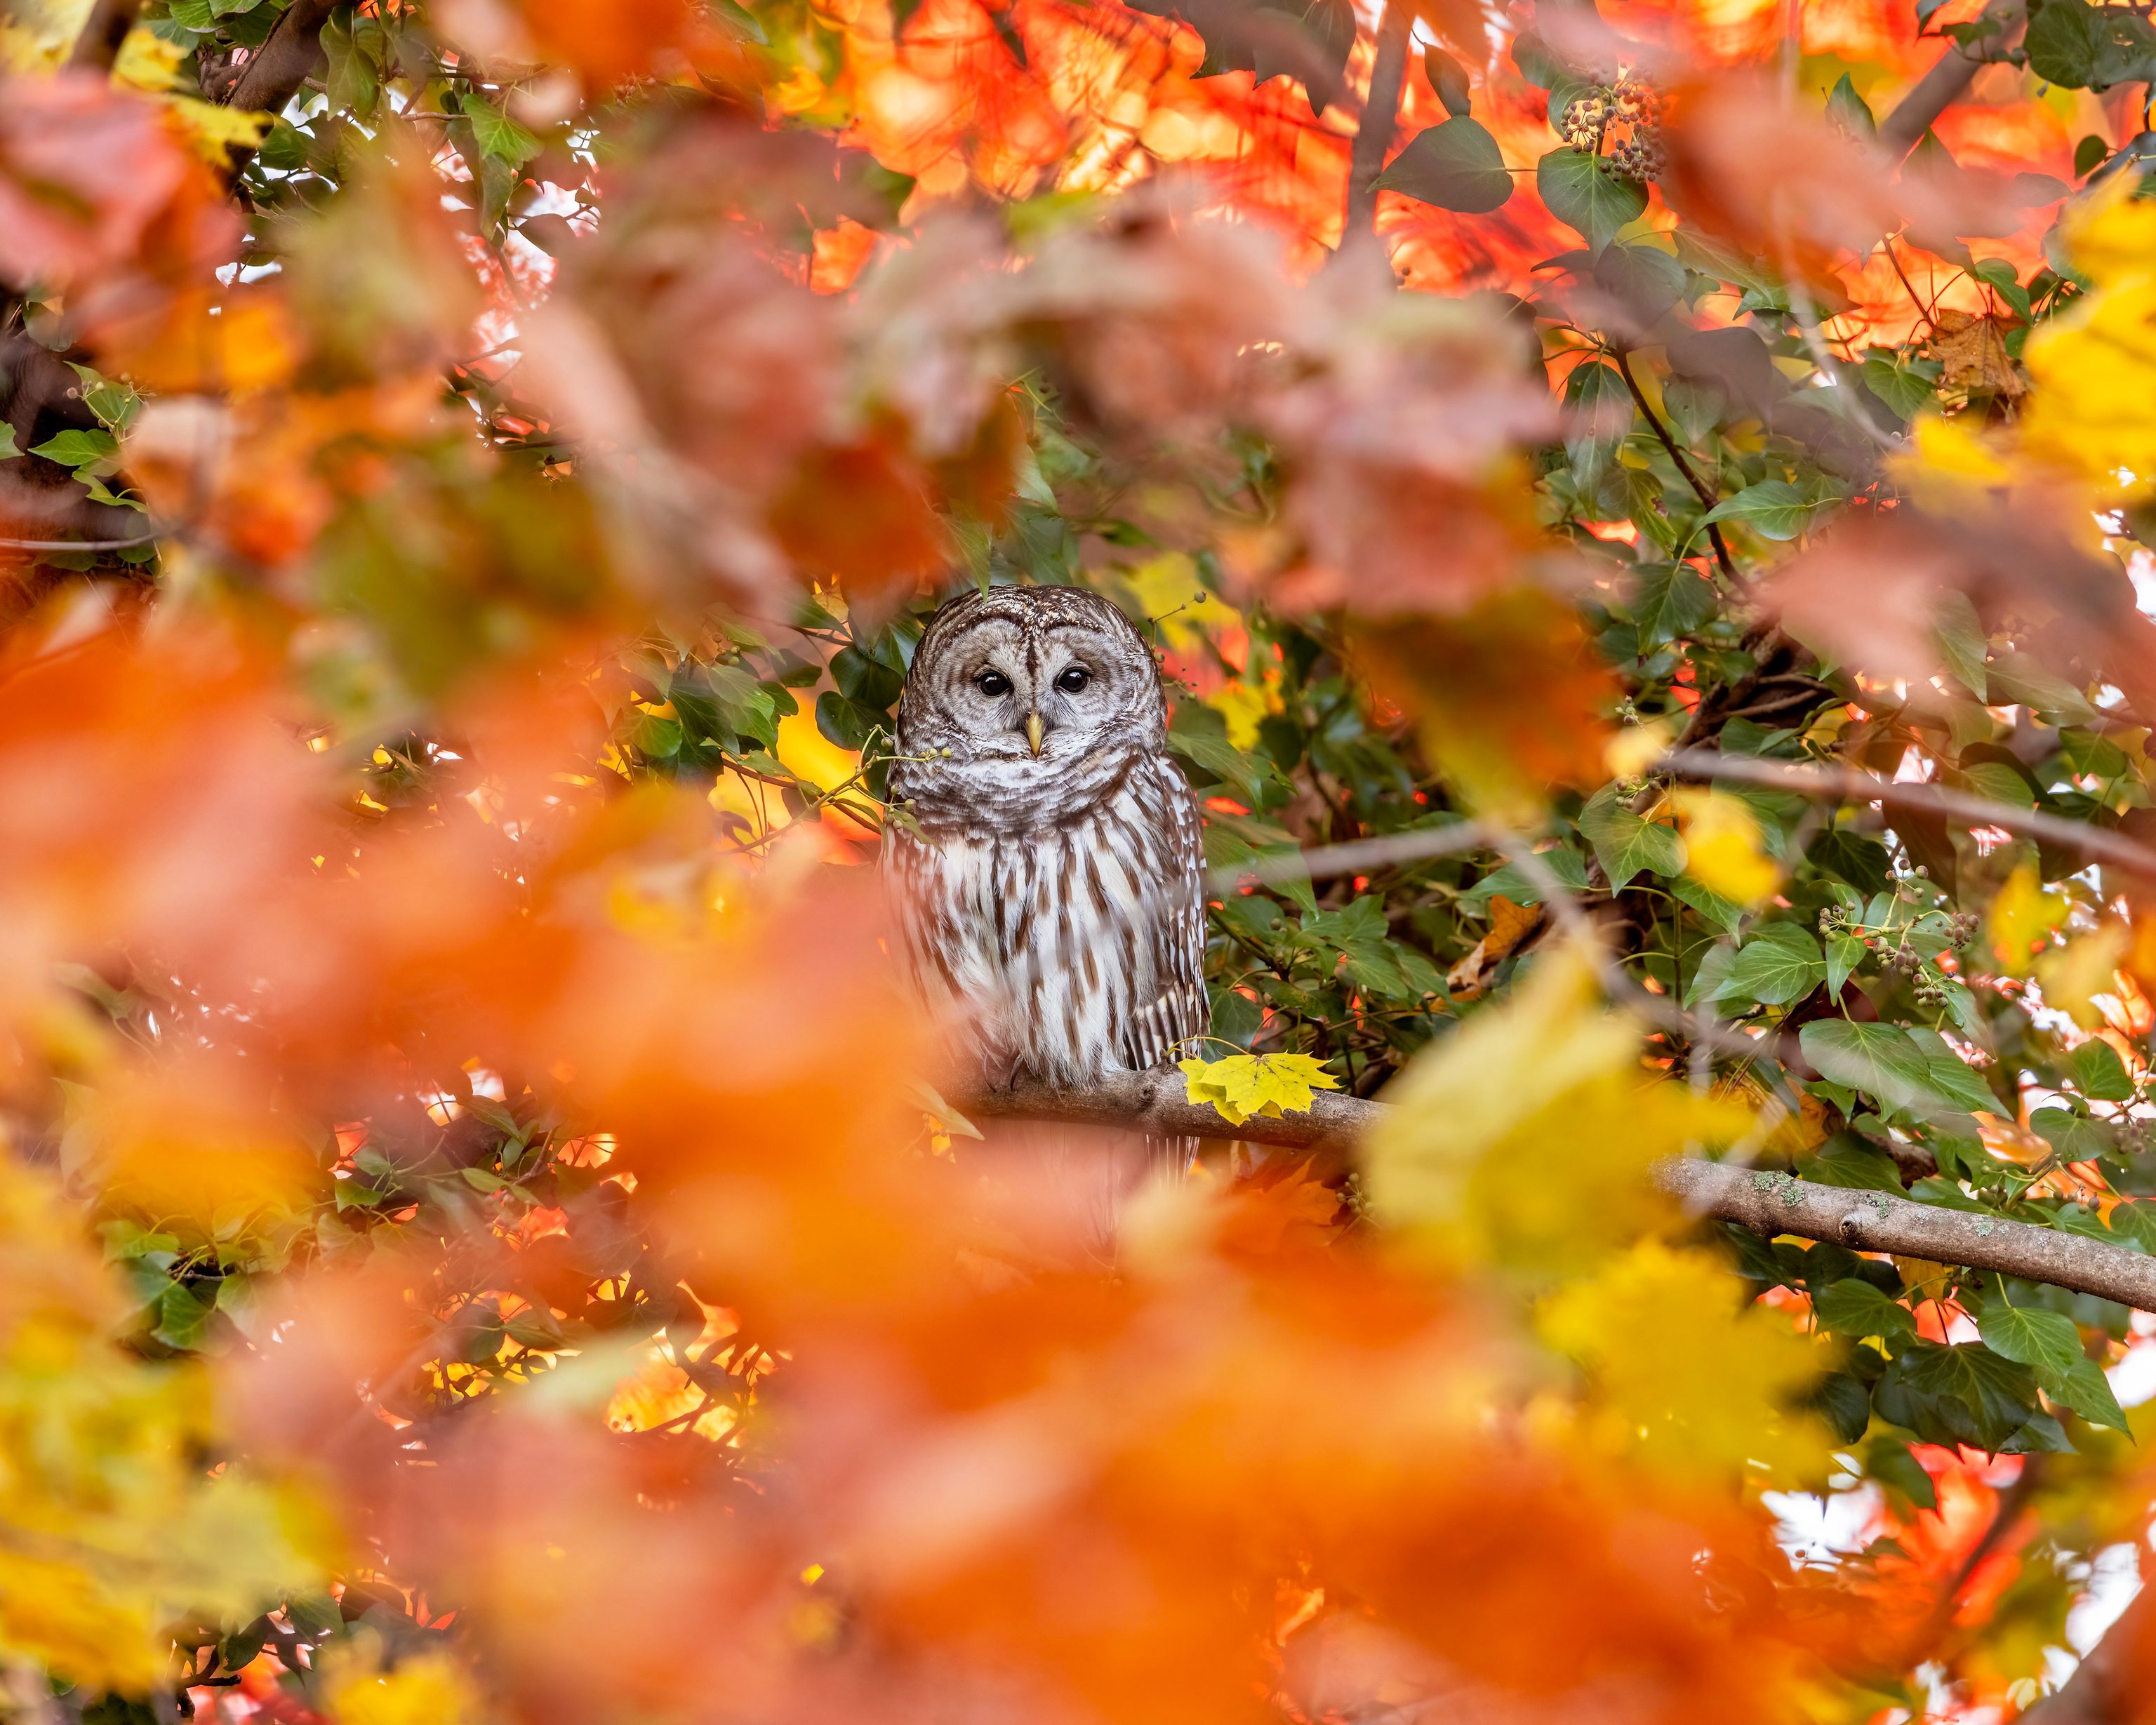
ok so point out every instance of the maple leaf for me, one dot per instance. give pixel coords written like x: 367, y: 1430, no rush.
x: 1243, y: 1085
x: 1973, y: 354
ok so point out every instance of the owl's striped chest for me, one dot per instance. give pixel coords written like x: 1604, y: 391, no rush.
x: 1051, y: 941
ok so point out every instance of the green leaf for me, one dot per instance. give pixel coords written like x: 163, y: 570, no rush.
x: 1847, y: 110
x: 1947, y: 1075
x: 79, y: 448
x: 2098, y: 1073
x: 1855, y: 1307
x: 2091, y: 152
x: 1905, y: 393
x: 1583, y: 193
x: 740, y: 20
x: 1455, y: 164
x: 497, y: 135
x: 1888, y: 1461
x: 2081, y: 46
x: 1724, y: 915
x: 1876, y: 1059
x: 1780, y: 964
x: 1448, y: 78
x: 1670, y: 600
x: 1844, y: 953
x: 1843, y: 1403
x: 2033, y: 1337
x: 2048, y: 1343
x: 195, y: 14
x: 1624, y: 842
x: 7, y: 449
x: 1965, y: 1393
x: 1601, y: 411
x: 1773, y: 509
x: 115, y: 403
x: 1962, y: 641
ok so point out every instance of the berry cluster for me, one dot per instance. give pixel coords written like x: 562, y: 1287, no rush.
x: 1619, y: 121
x: 1897, y: 956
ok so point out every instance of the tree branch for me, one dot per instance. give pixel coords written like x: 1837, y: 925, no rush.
x: 1381, y: 112
x: 1828, y: 783
x: 1700, y: 489
x: 274, y: 72
x: 1945, y: 84
x: 1769, y: 1203
x: 98, y: 45
x: 1848, y: 784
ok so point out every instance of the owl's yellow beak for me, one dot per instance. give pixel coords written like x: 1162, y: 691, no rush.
x: 1032, y: 733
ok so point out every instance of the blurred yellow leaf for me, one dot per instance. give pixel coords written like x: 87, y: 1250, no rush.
x: 148, y: 61
x: 2022, y: 918
x: 2071, y: 976
x: 1634, y: 749
x: 1722, y: 847
x: 419, y: 1689
x: 1242, y: 1086
x: 2094, y: 408
x: 1524, y: 1138
x: 1685, y: 1373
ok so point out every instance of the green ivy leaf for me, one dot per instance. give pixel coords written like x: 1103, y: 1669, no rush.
x: 1780, y: 964
x: 2048, y: 1344
x: 1888, y: 1461
x: 1847, y: 110
x: 1624, y: 844
x: 1670, y: 600
x: 1854, y: 1307
x: 1965, y: 1394
x: 1962, y: 642
x: 79, y: 448
x: 496, y: 133
x: 1455, y: 164
x: 1844, y: 953
x: 2098, y: 1073
x: 1583, y: 193
x: 1773, y: 509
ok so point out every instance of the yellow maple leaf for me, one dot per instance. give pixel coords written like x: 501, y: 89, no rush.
x: 2022, y: 920
x: 1682, y: 1372
x: 1242, y: 1086
x: 1722, y: 847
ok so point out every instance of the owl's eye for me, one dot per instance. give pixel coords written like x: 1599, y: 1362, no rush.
x: 1073, y: 679
x: 993, y: 683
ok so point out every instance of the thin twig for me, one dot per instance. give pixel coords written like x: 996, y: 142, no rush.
x: 1358, y: 856
x: 1848, y: 784
x: 81, y: 544
x: 1700, y: 489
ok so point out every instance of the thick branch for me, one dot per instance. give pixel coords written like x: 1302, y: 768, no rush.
x: 98, y: 45
x: 1771, y: 1204
x: 1381, y: 112
x: 1945, y: 84
x: 274, y: 72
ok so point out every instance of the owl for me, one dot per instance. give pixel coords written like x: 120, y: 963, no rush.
x: 1049, y: 882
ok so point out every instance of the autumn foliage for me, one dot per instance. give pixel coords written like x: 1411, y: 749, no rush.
x: 484, y: 1238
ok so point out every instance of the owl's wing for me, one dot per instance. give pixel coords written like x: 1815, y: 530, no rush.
x: 1161, y: 1031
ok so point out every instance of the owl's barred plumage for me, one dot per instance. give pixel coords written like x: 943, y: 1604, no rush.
x: 1053, y: 899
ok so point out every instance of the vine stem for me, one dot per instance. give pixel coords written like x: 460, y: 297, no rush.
x: 1700, y: 489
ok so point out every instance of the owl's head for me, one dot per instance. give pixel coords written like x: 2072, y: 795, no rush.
x: 1037, y: 678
